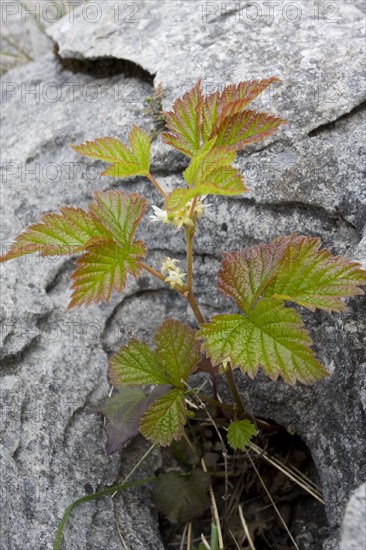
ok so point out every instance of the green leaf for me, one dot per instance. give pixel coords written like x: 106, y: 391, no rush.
x: 184, y: 122
x: 125, y: 162
x: 237, y: 130
x: 244, y: 275
x: 135, y: 364
x: 57, y: 234
x: 177, y: 349
x: 209, y: 173
x: 182, y: 498
x: 290, y: 268
x: 164, y: 420
x: 119, y: 212
x: 176, y: 355
x: 234, y: 98
x: 103, y: 268
x: 240, y: 433
x: 271, y: 336
x: 315, y: 278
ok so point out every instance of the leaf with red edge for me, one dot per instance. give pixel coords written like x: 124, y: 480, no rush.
x: 315, y: 278
x: 270, y: 336
x: 234, y: 98
x: 120, y: 213
x: 209, y: 173
x: 236, y: 131
x: 125, y: 162
x: 291, y: 268
x: 184, y: 122
x: 103, y: 268
x: 244, y: 275
x: 61, y: 233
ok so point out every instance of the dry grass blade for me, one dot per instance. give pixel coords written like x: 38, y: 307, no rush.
x: 298, y: 478
x: 189, y: 537
x: 183, y: 540
x: 272, y: 501
x: 245, y: 527
x: 234, y: 539
x: 137, y: 466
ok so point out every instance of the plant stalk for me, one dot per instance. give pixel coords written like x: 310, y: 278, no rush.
x: 234, y: 390
x: 155, y: 183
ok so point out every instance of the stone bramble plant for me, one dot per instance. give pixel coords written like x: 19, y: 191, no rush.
x: 266, y: 332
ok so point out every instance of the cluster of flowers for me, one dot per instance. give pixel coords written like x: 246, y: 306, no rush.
x: 174, y: 276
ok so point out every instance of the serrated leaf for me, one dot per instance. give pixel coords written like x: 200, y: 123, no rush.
x: 123, y: 411
x: 61, y: 233
x: 125, y: 162
x: 119, y: 212
x: 237, y: 130
x: 182, y: 498
x: 209, y: 173
x: 271, y: 336
x: 234, y: 98
x: 209, y: 114
x: 135, y: 364
x: 103, y: 268
x: 176, y: 355
x: 184, y: 122
x: 290, y: 268
x: 244, y: 275
x: 315, y: 278
x: 240, y: 433
x: 177, y: 349
x: 164, y: 420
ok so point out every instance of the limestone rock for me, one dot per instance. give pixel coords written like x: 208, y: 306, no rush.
x: 308, y: 178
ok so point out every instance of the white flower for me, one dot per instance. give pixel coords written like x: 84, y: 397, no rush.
x: 159, y: 215
x: 200, y: 207
x: 175, y: 277
x: 168, y: 264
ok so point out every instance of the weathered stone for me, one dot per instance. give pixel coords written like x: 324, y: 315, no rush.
x: 308, y: 178
x: 354, y: 523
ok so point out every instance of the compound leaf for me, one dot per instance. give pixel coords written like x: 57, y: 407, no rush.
x: 237, y: 130
x: 315, y: 278
x: 178, y: 350
x: 103, y: 268
x: 61, y: 233
x: 182, y: 498
x: 271, y: 336
x: 124, y: 162
x: 164, y: 420
x: 240, y: 433
x: 290, y: 268
x: 184, y: 122
x: 176, y: 355
x: 234, y: 98
x: 135, y: 364
x: 119, y: 212
x: 244, y: 275
x: 209, y: 173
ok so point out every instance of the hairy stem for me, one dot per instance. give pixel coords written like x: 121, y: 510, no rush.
x: 155, y: 183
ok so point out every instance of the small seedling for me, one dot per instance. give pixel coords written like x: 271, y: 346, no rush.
x: 262, y: 280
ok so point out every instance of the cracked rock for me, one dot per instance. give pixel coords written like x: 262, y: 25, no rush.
x: 54, y: 362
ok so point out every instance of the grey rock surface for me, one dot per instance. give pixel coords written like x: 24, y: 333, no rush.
x: 354, y: 523
x: 308, y: 178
